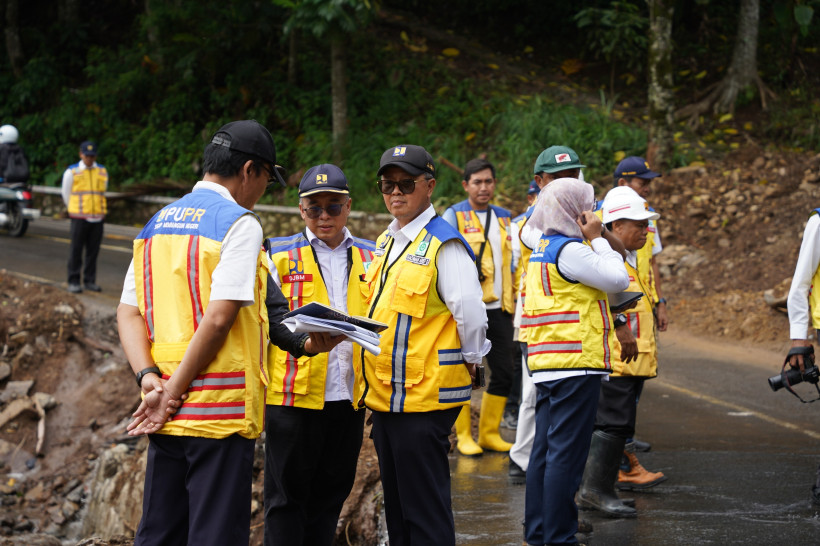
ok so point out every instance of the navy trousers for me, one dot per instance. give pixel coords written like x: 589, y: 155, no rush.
x: 412, y: 449
x: 197, y: 492
x: 310, y: 466
x: 564, y: 417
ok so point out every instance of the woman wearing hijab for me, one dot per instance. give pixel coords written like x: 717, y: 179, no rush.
x: 570, y: 272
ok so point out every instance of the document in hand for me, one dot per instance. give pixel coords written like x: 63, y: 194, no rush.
x: 316, y: 317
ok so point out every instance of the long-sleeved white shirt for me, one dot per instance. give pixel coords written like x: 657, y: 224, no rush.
x: 597, y: 266
x: 461, y: 293
x: 334, y: 266
x: 494, y: 236
x: 68, y: 184
x: 807, y: 263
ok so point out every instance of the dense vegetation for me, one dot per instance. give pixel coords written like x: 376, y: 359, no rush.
x: 151, y: 81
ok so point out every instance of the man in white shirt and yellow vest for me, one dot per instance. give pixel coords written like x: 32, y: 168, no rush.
x: 486, y: 228
x: 83, y: 191
x: 424, y: 285
x: 193, y: 324
x: 313, y: 429
x: 804, y: 304
x: 627, y: 215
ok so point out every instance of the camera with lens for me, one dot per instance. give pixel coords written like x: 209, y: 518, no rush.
x: 789, y: 377
x: 794, y: 376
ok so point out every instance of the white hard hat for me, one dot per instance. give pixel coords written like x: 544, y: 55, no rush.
x: 8, y: 134
x: 624, y: 203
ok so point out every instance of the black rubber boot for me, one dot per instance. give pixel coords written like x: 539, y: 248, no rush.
x: 598, y: 485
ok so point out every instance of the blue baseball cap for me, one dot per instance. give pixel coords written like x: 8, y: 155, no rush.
x: 323, y: 178
x: 634, y: 166
x: 88, y: 147
x: 533, y: 189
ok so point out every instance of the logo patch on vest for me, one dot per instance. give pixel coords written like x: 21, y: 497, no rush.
x: 417, y: 259
x: 379, y: 251
x: 422, y: 249
x: 300, y: 277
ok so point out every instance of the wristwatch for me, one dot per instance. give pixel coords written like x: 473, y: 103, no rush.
x: 141, y: 374
x: 661, y: 301
x: 620, y: 320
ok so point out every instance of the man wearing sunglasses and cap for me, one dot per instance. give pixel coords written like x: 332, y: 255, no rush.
x: 424, y: 285
x: 313, y: 430
x: 193, y: 325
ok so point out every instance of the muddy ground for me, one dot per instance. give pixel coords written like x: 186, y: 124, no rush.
x: 731, y: 231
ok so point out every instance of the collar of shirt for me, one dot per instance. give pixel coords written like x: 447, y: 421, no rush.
x: 213, y: 186
x: 83, y: 166
x: 409, y: 232
x: 632, y: 258
x: 314, y: 241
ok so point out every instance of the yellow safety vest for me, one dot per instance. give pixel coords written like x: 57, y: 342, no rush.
x: 301, y: 382
x: 420, y: 367
x: 569, y: 324
x: 521, y: 270
x: 814, y: 295
x: 642, y: 323
x: 87, y: 199
x: 472, y: 230
x: 174, y: 258
x: 647, y: 273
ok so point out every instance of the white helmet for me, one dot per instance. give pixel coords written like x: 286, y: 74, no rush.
x: 8, y: 134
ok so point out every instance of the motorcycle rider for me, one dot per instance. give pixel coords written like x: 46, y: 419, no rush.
x: 13, y: 162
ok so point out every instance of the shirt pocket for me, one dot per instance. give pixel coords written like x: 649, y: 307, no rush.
x: 298, y: 293
x: 412, y: 287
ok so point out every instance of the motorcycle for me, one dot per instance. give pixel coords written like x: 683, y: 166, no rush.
x: 15, y: 207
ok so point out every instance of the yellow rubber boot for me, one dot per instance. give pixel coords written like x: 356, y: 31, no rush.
x: 492, y: 409
x: 464, y: 431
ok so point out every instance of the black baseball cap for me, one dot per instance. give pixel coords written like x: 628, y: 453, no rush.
x: 250, y: 137
x: 88, y: 147
x: 413, y: 159
x: 323, y: 178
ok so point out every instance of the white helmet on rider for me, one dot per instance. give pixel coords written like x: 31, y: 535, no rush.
x: 8, y: 134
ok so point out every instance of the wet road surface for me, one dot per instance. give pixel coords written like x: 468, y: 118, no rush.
x: 740, y: 460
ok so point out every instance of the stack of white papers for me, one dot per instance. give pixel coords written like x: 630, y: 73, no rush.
x: 306, y: 323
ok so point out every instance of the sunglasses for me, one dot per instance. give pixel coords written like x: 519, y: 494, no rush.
x: 405, y: 186
x: 272, y: 177
x: 331, y: 210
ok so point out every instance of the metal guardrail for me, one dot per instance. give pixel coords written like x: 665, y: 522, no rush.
x: 274, y: 209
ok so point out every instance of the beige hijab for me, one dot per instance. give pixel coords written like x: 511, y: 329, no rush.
x: 559, y: 204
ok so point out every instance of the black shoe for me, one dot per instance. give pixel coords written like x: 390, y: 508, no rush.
x: 815, y: 494
x: 517, y: 475
x: 510, y: 420
x: 93, y: 287
x: 74, y: 288
x: 642, y: 447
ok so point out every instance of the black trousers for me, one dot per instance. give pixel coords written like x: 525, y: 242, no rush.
x: 310, y: 466
x: 500, y: 357
x: 618, y: 405
x: 84, y: 235
x: 197, y: 491
x: 514, y: 398
x: 412, y: 449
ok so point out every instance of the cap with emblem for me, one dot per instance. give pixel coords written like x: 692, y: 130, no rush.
x: 534, y: 189
x: 323, y: 178
x: 415, y: 160
x: 250, y: 137
x: 88, y: 147
x: 634, y: 166
x: 557, y: 158
x: 624, y: 203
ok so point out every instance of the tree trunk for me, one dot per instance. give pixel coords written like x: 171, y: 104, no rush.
x: 152, y: 33
x: 661, y: 96
x: 293, y: 43
x: 338, y: 95
x: 743, y: 70
x: 13, y: 45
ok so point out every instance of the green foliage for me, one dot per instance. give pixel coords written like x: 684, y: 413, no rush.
x: 322, y: 17
x: 617, y: 33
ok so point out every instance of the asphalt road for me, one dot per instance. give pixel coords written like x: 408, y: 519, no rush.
x: 740, y: 458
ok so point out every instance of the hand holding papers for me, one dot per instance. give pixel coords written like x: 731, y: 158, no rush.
x: 315, y: 317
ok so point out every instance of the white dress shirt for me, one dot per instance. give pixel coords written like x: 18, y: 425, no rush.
x: 461, y: 293
x: 807, y: 263
x: 333, y: 264
x: 235, y: 275
x: 597, y: 266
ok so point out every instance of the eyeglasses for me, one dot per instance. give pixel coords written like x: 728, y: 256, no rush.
x: 405, y: 186
x: 332, y: 210
x: 271, y: 176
